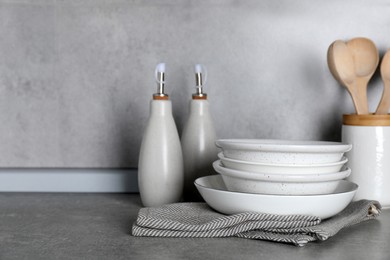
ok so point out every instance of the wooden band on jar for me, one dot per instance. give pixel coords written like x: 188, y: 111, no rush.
x: 366, y: 120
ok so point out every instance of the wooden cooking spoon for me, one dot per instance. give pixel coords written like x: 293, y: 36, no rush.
x: 366, y: 59
x: 341, y: 65
x: 384, y: 104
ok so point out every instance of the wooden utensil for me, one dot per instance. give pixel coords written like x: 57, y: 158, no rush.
x: 384, y: 104
x: 366, y: 58
x: 341, y: 65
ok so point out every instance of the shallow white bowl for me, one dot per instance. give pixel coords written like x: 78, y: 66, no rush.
x: 286, y: 184
x: 283, y: 151
x: 216, y: 195
x: 282, y: 168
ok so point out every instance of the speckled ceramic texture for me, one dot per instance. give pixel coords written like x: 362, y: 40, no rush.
x: 282, y: 151
x: 160, y: 167
x: 287, y: 158
x: 279, y: 188
x: 287, y: 184
x: 282, y: 168
x: 370, y: 161
x: 215, y: 193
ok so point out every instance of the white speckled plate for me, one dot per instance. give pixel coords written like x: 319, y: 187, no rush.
x: 282, y: 168
x: 286, y: 184
x: 214, y: 192
x: 283, y: 151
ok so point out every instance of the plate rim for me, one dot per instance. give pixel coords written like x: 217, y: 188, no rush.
x: 285, y: 177
x: 300, y: 146
x: 355, y: 187
x: 343, y: 160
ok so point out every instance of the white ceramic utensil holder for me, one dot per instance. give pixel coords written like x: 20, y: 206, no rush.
x: 369, y: 158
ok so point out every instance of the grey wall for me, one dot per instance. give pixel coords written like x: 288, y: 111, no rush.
x: 76, y: 76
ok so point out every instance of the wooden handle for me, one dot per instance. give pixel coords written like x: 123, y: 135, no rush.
x: 384, y: 104
x: 361, y: 86
x: 360, y: 106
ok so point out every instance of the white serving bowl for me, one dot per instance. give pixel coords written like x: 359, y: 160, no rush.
x: 286, y: 184
x: 214, y: 192
x: 259, y: 167
x: 283, y: 151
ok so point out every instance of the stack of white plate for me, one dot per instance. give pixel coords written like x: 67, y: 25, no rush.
x: 282, y: 167
x: 278, y: 168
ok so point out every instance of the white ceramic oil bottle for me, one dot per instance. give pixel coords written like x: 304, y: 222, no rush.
x: 160, y: 166
x: 198, y: 139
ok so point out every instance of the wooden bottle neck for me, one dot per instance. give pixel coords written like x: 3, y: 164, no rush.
x: 201, y: 97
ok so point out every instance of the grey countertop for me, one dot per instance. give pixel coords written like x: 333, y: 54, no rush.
x: 98, y: 226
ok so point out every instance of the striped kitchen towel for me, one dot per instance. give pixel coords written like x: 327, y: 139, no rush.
x: 199, y: 220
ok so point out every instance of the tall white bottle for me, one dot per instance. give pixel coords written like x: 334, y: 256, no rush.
x: 198, y: 139
x: 160, y: 166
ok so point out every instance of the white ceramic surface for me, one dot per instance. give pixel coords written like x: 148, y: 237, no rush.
x: 199, y: 150
x: 216, y: 195
x: 282, y: 168
x: 287, y: 184
x: 160, y: 167
x: 369, y: 161
x: 283, y: 151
